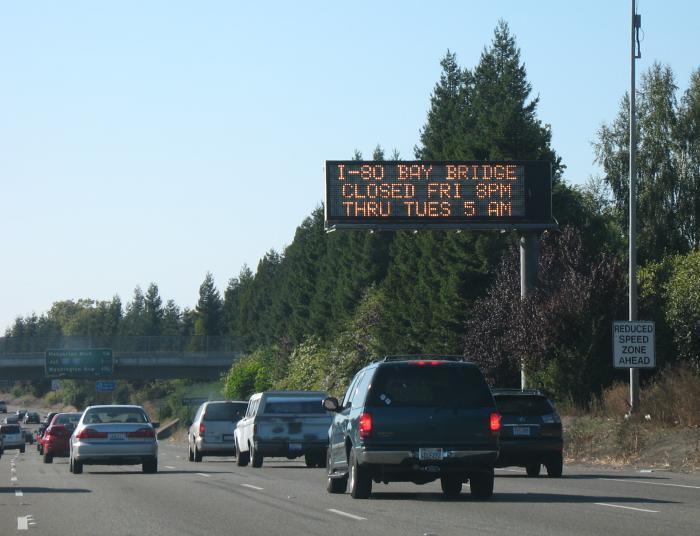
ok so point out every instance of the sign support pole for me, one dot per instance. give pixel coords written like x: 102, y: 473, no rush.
x: 529, y: 261
x: 634, y: 373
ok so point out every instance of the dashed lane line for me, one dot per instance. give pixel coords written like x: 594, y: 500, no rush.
x: 651, y: 483
x: 169, y: 467
x: 203, y: 474
x: 345, y: 514
x: 628, y: 508
x: 24, y: 522
x: 257, y: 488
x: 19, y: 493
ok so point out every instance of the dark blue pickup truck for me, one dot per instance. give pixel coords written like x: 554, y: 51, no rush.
x: 414, y: 419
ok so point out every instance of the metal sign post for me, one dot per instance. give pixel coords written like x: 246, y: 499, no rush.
x: 529, y: 260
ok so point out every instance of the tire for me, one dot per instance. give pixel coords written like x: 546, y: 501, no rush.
x: 150, y: 466
x: 256, y: 459
x: 359, y: 479
x: 481, y: 484
x: 197, y: 454
x: 555, y: 466
x: 190, y: 455
x: 39, y: 449
x: 311, y: 460
x: 21, y: 449
x: 533, y: 469
x: 451, y: 486
x: 77, y: 467
x: 322, y: 459
x: 241, y: 457
x: 335, y: 485
x: 48, y: 458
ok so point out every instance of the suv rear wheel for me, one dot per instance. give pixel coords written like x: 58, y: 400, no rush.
x: 190, y: 455
x: 48, y: 458
x: 197, y: 454
x: 481, y: 484
x: 451, y: 486
x: 555, y: 466
x: 359, y: 479
x: 533, y: 469
x: 150, y: 466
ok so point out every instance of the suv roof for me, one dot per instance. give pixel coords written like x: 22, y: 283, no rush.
x: 500, y: 391
x: 423, y: 357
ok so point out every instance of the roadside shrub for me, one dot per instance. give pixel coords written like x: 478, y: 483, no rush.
x: 673, y: 399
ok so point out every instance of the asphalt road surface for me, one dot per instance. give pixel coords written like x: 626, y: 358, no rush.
x: 285, y: 498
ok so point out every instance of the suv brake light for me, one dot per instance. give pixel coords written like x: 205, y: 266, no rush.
x: 202, y: 428
x: 495, y: 422
x: 423, y: 363
x: 91, y: 433
x: 365, y: 425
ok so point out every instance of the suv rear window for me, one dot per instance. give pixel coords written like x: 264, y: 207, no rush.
x: 443, y: 385
x: 225, y: 411
x: 523, y: 405
x: 9, y: 429
x: 289, y: 406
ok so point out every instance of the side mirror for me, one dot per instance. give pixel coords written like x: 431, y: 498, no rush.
x: 331, y: 404
x: 155, y: 425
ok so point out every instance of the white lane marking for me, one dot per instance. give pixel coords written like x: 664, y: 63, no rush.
x: 650, y: 483
x: 345, y: 514
x: 13, y: 479
x: 203, y: 474
x: 24, y: 522
x: 252, y: 487
x: 169, y: 467
x: 18, y: 493
x: 628, y: 508
x: 510, y: 470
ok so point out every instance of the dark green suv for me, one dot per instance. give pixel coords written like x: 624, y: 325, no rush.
x: 414, y: 419
x: 531, y: 434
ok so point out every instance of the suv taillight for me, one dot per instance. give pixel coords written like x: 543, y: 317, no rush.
x: 89, y: 433
x: 202, y: 428
x: 495, y: 422
x: 365, y: 425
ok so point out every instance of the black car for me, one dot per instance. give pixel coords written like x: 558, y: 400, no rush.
x: 414, y: 419
x: 531, y: 432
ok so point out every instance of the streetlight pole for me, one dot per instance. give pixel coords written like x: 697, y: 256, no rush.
x: 634, y: 373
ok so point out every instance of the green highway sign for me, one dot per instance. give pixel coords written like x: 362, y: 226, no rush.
x: 82, y: 363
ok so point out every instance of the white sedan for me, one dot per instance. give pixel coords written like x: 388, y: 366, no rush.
x: 114, y: 435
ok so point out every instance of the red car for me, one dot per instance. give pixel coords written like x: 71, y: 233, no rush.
x: 54, y: 442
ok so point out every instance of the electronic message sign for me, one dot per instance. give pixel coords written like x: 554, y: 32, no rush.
x: 88, y: 362
x: 438, y: 194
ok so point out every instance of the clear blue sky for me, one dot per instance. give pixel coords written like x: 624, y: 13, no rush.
x: 154, y: 141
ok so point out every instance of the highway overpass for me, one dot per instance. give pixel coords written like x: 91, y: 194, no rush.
x: 142, y: 358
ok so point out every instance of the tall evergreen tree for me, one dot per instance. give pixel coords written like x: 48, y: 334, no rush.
x: 153, y: 311
x: 209, y: 308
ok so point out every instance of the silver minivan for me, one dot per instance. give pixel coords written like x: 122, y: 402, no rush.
x: 212, y: 431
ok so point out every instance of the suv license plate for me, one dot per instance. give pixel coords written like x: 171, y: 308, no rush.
x: 521, y: 430
x: 430, y: 454
x: 117, y: 435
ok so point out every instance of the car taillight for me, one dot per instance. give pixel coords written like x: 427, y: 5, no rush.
x: 202, y: 428
x: 89, y: 433
x: 142, y: 432
x: 423, y: 363
x: 495, y: 422
x: 365, y: 425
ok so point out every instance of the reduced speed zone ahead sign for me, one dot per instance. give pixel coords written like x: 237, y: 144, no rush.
x: 633, y: 344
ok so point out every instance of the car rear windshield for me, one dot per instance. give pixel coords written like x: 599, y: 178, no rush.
x: 67, y: 418
x: 114, y: 415
x: 225, y: 411
x: 442, y: 385
x: 289, y: 406
x: 523, y: 405
x: 9, y: 429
